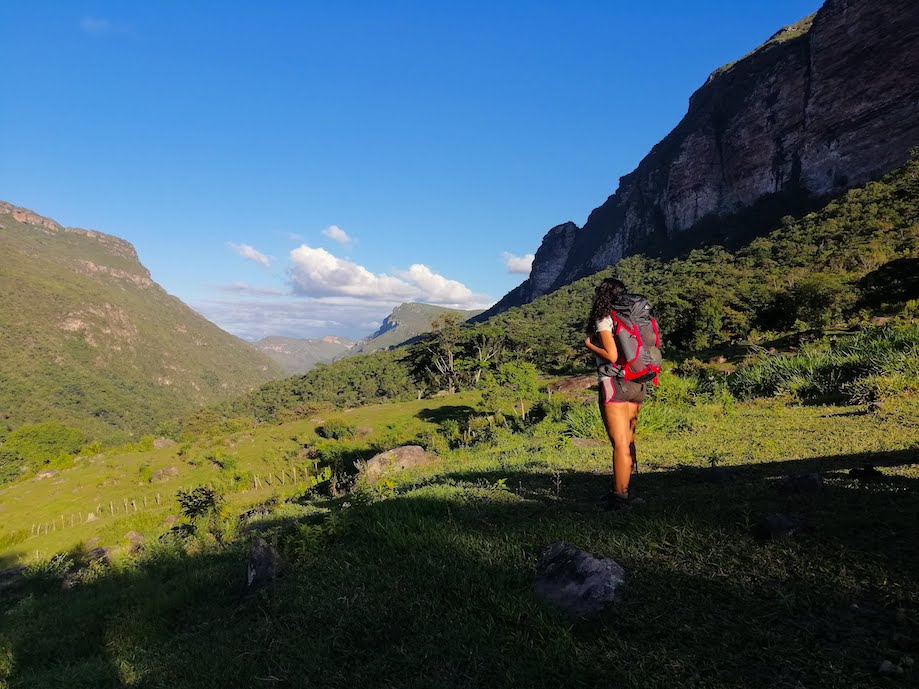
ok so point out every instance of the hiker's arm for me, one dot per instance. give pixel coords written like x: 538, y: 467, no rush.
x: 608, y: 351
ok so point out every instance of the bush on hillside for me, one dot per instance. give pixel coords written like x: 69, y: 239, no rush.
x: 41, y: 443
x: 336, y: 429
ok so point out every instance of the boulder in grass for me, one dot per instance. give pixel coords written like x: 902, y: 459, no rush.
x: 397, y: 459
x: 164, y: 474
x: 801, y: 483
x: 573, y: 384
x: 776, y: 526
x: 866, y: 472
x: 580, y: 585
x: 264, y: 566
x: 98, y: 554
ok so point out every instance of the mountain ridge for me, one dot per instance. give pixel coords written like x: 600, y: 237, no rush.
x: 827, y: 103
x: 91, y: 340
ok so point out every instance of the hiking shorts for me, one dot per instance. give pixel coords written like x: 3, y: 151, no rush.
x: 615, y: 390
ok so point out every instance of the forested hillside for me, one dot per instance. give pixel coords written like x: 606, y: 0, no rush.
x: 854, y: 260
x: 90, y: 340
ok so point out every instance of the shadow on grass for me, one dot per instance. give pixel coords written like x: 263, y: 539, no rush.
x: 432, y: 589
x: 448, y: 412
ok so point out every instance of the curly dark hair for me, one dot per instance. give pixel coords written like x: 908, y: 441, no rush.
x: 604, y: 297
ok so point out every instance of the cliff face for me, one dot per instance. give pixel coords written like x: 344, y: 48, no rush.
x: 825, y: 104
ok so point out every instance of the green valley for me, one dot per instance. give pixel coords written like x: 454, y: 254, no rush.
x: 89, y: 340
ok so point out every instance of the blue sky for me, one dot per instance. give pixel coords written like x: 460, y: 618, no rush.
x: 300, y: 168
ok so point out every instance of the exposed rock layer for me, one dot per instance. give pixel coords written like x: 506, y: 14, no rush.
x: 826, y: 104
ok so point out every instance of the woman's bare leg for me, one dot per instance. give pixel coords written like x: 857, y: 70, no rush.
x: 618, y: 421
x: 633, y: 422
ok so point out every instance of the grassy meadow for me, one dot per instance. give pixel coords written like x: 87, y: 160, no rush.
x: 424, y: 579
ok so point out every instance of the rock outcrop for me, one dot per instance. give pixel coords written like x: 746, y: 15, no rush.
x: 579, y: 584
x: 826, y: 104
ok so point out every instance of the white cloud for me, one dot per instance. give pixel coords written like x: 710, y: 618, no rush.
x: 338, y: 234
x: 316, y: 272
x: 437, y: 288
x: 246, y: 288
x: 251, y: 254
x: 518, y: 264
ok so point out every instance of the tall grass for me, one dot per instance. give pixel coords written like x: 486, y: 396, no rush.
x: 880, y: 362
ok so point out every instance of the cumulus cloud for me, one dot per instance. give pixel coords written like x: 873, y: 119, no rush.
x: 246, y: 288
x: 338, y: 234
x: 250, y: 253
x: 316, y: 272
x: 437, y: 288
x: 254, y: 319
x: 518, y: 264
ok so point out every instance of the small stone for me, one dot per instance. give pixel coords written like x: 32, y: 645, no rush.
x: 888, y: 668
x: 165, y: 474
x: 264, y: 565
x: 802, y: 483
x: 98, y: 554
x: 720, y: 475
x: 865, y: 473
x: 170, y: 520
x: 579, y: 584
x: 135, y: 537
x: 161, y: 443
x: 776, y: 526
x: 91, y: 517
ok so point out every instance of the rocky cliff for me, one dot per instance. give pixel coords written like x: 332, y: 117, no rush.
x: 828, y: 103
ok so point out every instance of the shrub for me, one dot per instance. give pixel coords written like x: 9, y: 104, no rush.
x: 657, y: 417
x: 43, y: 443
x: 583, y: 421
x: 336, y: 429
x: 198, y: 502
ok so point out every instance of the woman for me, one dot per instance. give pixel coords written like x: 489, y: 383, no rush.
x: 619, y: 399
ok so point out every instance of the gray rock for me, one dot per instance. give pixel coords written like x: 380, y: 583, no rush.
x: 801, y: 483
x: 865, y: 473
x: 775, y: 526
x: 98, y: 554
x: 12, y: 576
x: 888, y: 668
x: 579, y: 584
x: 397, y: 459
x: 720, y: 475
x: 161, y: 443
x: 264, y: 565
x: 165, y: 474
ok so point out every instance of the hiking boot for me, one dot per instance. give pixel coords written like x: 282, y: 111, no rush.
x: 614, y: 502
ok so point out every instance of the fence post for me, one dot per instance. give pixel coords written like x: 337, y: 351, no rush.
x: 157, y: 498
x: 134, y: 505
x: 111, y: 507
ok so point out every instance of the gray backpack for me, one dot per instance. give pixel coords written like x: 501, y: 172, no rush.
x: 638, y: 341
